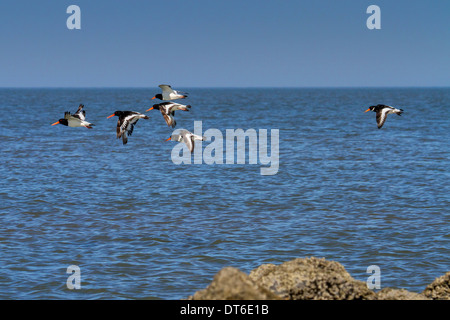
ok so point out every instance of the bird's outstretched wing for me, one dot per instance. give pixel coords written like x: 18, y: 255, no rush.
x: 189, y: 140
x: 381, y: 117
x: 166, y: 88
x: 69, y: 116
x: 124, y: 138
x: 80, y: 114
x: 169, y: 120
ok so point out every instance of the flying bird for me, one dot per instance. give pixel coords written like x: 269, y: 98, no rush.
x: 187, y: 137
x: 168, y: 111
x: 169, y: 94
x: 78, y: 119
x: 382, y: 112
x: 126, y: 122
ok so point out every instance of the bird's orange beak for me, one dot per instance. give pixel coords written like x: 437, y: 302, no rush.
x: 170, y: 138
x: 153, y: 98
x: 367, y: 110
x: 57, y: 122
x: 110, y: 116
x: 149, y: 109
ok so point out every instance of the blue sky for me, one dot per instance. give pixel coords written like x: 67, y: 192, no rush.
x: 229, y: 43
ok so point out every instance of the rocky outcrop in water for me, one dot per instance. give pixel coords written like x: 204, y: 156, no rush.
x: 233, y: 284
x: 307, y: 279
x: 439, y: 289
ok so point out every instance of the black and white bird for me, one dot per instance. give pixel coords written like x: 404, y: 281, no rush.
x: 382, y: 112
x: 168, y: 111
x: 187, y: 137
x: 169, y: 94
x: 78, y: 119
x: 126, y: 122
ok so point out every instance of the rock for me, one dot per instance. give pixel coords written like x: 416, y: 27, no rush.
x: 307, y: 279
x: 399, y: 294
x: 232, y: 284
x: 311, y: 279
x: 439, y: 289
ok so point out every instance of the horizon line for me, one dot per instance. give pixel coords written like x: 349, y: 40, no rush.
x: 226, y: 87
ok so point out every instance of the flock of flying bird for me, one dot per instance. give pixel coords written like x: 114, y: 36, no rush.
x: 128, y: 119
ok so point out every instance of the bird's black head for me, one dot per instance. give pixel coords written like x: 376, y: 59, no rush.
x: 158, y: 96
x: 155, y: 106
x: 61, y: 121
x: 117, y: 113
x: 376, y: 108
x: 371, y: 108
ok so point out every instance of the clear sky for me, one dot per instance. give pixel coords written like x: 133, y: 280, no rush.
x: 224, y: 43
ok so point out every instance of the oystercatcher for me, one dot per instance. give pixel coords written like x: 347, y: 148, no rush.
x: 187, y: 137
x: 75, y: 120
x: 382, y: 112
x: 168, y: 111
x: 126, y: 122
x: 169, y: 94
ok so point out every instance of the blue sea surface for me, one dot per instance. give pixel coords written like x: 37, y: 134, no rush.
x: 141, y: 227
